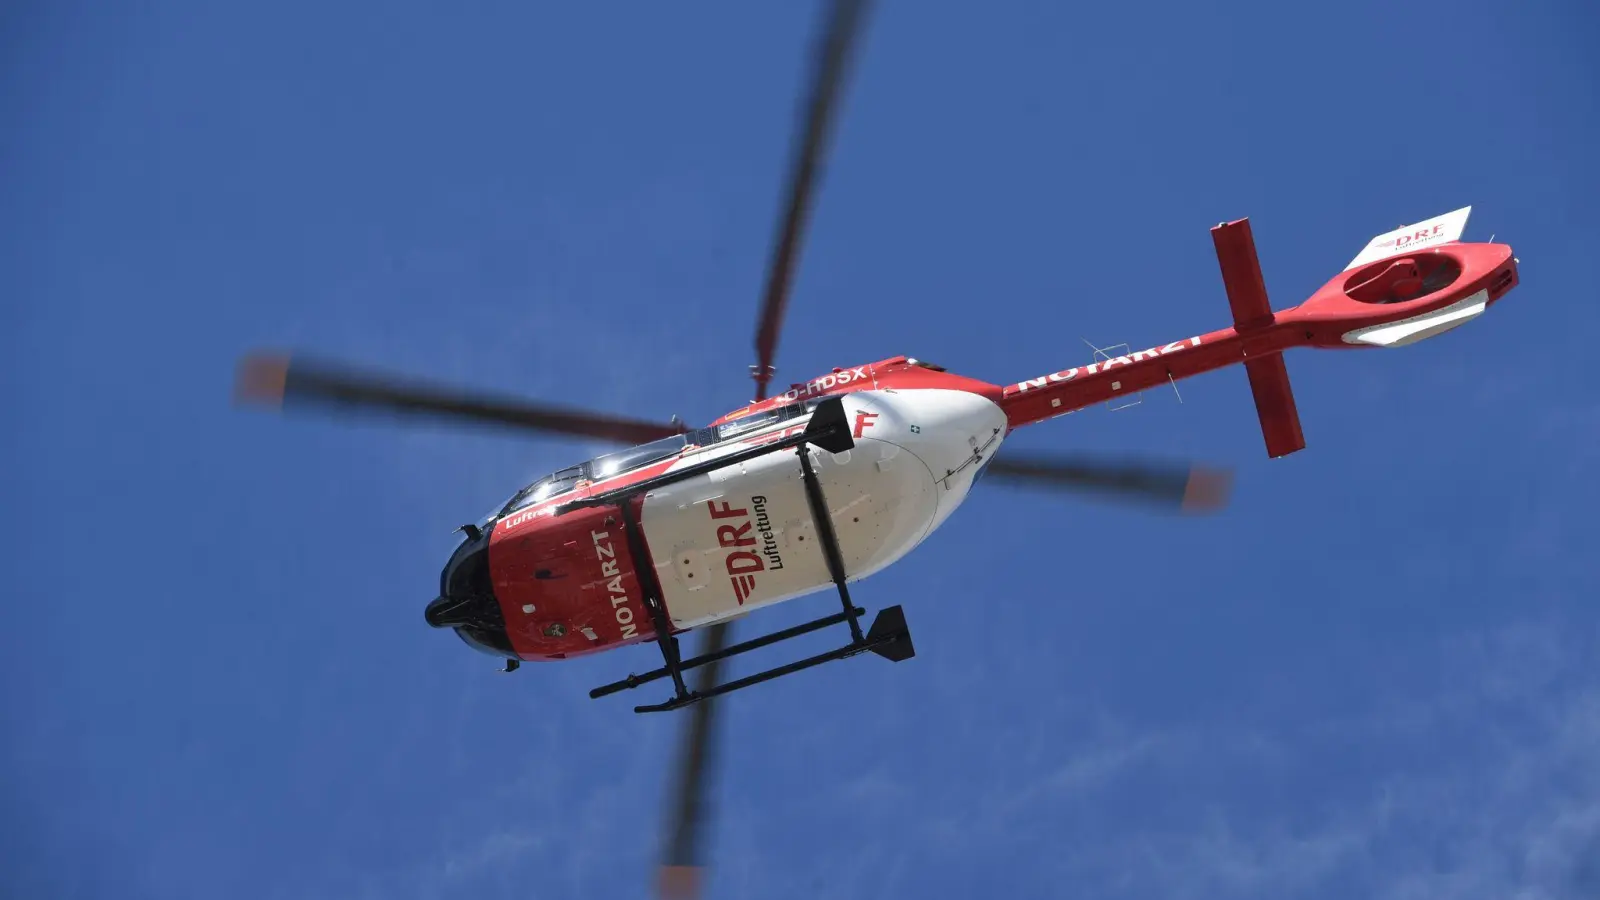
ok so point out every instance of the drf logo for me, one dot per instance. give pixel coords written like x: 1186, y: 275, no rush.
x: 1420, y: 236
x: 864, y: 421
x: 741, y: 563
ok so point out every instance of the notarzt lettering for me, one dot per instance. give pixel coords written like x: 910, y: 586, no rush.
x: 1096, y: 367
x: 620, y: 610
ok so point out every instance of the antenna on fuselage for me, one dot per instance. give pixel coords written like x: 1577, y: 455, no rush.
x: 1102, y: 356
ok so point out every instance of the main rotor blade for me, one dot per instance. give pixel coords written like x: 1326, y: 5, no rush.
x: 682, y: 857
x: 843, y: 27
x: 683, y: 862
x: 281, y: 381
x: 1176, y: 486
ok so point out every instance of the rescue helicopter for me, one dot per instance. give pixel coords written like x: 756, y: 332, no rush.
x: 830, y: 480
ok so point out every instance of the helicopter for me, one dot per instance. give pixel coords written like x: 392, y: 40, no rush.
x: 831, y: 480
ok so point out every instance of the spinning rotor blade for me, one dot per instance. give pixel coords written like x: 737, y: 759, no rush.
x: 844, y: 24
x: 682, y: 857
x: 1175, y: 486
x: 682, y: 861
x: 280, y: 381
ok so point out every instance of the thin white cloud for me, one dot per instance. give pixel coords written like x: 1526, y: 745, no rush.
x: 1520, y: 818
x: 1481, y: 787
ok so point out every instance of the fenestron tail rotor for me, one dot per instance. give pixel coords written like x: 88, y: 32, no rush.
x: 682, y: 860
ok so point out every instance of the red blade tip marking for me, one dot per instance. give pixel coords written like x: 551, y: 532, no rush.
x: 262, y: 379
x: 679, y: 882
x: 1207, y: 490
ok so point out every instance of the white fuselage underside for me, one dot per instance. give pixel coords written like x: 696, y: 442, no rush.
x: 743, y: 537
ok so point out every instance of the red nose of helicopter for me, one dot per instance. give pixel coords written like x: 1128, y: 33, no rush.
x: 466, y: 600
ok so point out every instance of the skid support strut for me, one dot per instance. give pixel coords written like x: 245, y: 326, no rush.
x: 888, y: 636
x: 830, y: 540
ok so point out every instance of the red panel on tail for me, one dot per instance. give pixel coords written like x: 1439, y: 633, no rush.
x: 1241, y: 275
x: 1252, y: 312
x: 1280, y: 418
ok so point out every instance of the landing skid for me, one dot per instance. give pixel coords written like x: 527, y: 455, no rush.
x: 888, y: 635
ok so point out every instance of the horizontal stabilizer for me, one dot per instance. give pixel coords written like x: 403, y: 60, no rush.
x: 1241, y: 275
x: 1247, y: 296
x: 1275, y: 406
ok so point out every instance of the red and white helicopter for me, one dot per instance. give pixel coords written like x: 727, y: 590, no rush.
x: 841, y: 476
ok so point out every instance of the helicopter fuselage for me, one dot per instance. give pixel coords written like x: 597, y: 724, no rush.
x: 738, y: 538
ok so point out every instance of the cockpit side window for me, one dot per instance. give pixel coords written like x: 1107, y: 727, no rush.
x: 746, y: 424
x: 545, y: 488
x: 756, y: 421
x: 613, y: 464
x: 568, y: 478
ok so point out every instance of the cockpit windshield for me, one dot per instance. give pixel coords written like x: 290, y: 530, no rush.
x: 751, y: 422
x: 613, y: 464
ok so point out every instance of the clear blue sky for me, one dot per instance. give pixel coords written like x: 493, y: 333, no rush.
x: 1372, y: 677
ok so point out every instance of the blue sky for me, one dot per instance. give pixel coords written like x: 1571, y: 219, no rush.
x: 1373, y: 676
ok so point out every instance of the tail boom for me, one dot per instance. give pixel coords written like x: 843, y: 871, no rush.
x: 1376, y: 304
